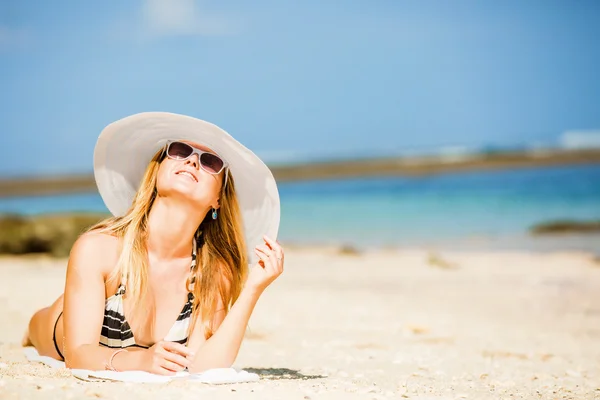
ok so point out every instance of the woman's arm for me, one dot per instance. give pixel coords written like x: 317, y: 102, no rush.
x: 221, y: 349
x: 93, y: 255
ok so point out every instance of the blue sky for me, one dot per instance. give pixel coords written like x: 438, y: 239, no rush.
x: 296, y: 79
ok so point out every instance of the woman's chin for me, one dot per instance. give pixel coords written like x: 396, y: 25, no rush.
x: 184, y: 194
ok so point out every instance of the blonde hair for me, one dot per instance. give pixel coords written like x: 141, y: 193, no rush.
x: 221, y: 257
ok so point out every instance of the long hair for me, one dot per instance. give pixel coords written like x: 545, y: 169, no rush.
x: 221, y: 257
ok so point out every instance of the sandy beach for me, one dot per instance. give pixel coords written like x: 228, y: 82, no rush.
x: 385, y: 324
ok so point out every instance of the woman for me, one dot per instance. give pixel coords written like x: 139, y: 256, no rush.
x: 162, y: 286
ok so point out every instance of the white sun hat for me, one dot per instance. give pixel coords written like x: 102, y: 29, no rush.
x: 125, y: 147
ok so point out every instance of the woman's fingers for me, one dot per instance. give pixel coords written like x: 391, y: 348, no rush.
x: 174, y: 356
x: 276, y: 247
x: 264, y: 249
x: 266, y: 255
x: 278, y: 250
x: 175, y: 347
x: 171, y: 366
x: 177, y: 359
x: 270, y: 256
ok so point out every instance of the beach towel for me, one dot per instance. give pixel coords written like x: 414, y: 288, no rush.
x: 213, y: 376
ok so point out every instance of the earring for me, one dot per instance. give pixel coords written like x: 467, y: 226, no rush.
x: 214, y: 214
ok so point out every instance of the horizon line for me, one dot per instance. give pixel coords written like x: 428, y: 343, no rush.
x: 408, y: 166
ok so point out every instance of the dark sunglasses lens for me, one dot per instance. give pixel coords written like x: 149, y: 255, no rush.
x: 211, y: 163
x: 179, y: 150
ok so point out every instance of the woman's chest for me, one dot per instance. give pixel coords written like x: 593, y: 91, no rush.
x: 164, y: 304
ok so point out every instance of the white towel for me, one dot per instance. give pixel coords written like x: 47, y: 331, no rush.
x: 212, y: 376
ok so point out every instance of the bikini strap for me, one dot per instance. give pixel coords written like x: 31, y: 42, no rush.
x: 123, y: 285
x: 193, y: 266
x: 122, y: 289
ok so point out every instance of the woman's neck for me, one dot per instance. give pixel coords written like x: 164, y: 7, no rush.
x: 171, y: 228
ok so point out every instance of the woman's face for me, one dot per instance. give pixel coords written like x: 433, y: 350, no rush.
x: 187, y: 179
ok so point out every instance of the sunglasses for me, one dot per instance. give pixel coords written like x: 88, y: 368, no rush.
x: 209, y: 162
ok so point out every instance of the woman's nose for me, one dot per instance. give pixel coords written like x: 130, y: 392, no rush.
x: 193, y: 160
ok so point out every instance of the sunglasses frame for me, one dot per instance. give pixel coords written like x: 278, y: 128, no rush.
x: 199, y: 153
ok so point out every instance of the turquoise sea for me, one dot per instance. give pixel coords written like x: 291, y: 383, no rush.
x: 477, y: 209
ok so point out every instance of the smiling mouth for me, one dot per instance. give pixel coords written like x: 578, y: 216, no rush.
x: 188, y: 174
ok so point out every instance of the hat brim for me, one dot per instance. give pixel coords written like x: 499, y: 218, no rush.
x: 125, y: 147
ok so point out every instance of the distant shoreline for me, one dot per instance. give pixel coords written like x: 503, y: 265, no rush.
x: 342, y: 169
x: 55, y: 233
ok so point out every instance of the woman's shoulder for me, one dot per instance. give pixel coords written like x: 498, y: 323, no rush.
x: 94, y: 242
x: 95, y: 250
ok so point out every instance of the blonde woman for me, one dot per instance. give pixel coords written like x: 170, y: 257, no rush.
x: 162, y: 286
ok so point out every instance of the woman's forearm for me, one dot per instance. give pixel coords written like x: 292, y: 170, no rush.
x: 94, y: 357
x: 221, y: 349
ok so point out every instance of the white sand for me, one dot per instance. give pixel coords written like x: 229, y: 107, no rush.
x: 378, y: 325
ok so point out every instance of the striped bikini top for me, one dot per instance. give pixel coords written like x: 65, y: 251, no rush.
x: 116, y: 332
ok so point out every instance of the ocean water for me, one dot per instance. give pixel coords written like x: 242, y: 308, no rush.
x: 475, y: 209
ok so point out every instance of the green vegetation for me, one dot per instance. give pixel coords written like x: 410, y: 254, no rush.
x: 566, y: 226
x: 53, y: 234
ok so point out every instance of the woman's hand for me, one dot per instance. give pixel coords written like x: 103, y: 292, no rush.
x: 269, y: 267
x: 166, y: 358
